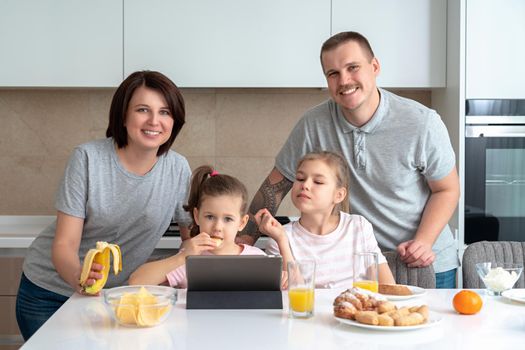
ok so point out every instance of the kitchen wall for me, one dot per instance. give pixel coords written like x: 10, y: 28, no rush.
x: 239, y: 131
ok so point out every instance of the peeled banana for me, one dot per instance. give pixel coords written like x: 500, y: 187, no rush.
x: 100, y: 255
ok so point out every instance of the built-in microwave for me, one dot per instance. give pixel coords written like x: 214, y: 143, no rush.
x: 495, y: 170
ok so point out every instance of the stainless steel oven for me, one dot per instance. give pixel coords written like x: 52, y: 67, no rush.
x: 495, y: 170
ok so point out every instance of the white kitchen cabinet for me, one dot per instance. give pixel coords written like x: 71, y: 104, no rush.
x: 407, y: 36
x: 60, y: 43
x: 495, y: 50
x: 228, y: 43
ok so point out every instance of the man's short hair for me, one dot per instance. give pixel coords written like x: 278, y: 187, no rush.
x: 344, y: 37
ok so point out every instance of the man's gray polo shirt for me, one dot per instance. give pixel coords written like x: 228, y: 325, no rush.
x: 391, y: 158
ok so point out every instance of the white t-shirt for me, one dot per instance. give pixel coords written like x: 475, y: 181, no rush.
x: 333, y: 252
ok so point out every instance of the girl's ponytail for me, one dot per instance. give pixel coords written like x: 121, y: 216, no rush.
x: 207, y: 182
x: 197, y: 179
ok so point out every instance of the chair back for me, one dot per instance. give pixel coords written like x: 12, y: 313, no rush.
x: 423, y: 277
x: 501, y: 252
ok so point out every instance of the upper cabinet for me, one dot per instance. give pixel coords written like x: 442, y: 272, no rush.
x: 495, y: 53
x: 228, y: 43
x: 60, y: 43
x: 210, y: 43
x: 408, y: 37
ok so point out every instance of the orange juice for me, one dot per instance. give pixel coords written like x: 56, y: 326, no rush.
x: 301, y: 299
x: 372, y: 286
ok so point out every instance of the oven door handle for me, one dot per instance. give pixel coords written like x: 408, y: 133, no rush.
x: 505, y: 182
x: 495, y: 131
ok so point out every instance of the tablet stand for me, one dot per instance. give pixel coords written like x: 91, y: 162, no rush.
x: 267, y: 299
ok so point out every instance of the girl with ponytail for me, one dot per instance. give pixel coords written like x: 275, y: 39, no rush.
x: 218, y: 204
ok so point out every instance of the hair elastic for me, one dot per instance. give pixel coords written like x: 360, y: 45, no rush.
x: 214, y: 173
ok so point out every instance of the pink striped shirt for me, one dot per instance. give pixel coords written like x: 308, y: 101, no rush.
x: 333, y: 252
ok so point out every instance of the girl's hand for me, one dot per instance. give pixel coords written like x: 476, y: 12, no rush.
x: 94, y: 275
x: 268, y: 225
x: 284, y: 280
x: 198, y: 244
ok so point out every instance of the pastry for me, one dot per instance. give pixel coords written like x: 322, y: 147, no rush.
x: 394, y: 289
x: 385, y: 320
x: 385, y: 306
x: 412, y: 319
x: 367, y: 317
x: 395, y: 314
x: 372, y: 309
x: 348, y: 297
x: 423, y: 310
x: 345, y: 310
x: 217, y: 240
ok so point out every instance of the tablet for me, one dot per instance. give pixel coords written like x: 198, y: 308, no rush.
x: 233, y: 272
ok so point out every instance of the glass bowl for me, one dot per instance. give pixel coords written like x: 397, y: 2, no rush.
x: 140, y: 306
x: 498, y: 277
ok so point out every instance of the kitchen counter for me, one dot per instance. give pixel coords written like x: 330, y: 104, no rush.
x: 19, y: 232
x: 84, y: 323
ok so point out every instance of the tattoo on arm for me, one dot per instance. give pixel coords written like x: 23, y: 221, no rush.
x: 268, y: 196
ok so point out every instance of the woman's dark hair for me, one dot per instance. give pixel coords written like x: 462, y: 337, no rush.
x: 207, y: 182
x: 119, y: 106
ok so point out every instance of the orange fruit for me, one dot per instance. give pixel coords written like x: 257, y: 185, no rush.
x: 467, y: 302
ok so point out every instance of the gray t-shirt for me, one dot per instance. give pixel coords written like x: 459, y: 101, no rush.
x: 391, y: 158
x: 117, y: 207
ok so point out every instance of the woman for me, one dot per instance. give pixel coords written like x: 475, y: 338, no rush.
x: 124, y: 189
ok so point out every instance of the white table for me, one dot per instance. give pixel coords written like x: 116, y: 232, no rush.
x: 84, y: 323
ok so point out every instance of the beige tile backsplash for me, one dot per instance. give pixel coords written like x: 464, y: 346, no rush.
x: 239, y: 131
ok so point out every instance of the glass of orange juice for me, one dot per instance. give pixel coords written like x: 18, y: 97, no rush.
x: 366, y: 271
x: 301, y: 288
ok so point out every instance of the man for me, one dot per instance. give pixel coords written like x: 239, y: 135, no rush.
x: 403, y: 173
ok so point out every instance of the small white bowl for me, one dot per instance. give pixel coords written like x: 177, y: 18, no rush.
x: 140, y: 306
x: 498, y: 277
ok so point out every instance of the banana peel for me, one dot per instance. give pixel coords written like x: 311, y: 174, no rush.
x: 100, y: 255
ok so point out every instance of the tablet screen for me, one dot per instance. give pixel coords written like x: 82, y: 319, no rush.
x: 233, y: 272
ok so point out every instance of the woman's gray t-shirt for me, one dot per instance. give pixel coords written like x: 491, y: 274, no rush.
x: 117, y: 207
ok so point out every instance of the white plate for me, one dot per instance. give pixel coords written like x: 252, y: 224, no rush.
x: 515, y: 295
x: 434, y: 320
x: 416, y: 292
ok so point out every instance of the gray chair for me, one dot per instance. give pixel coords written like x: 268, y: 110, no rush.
x: 502, y: 251
x: 423, y: 277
